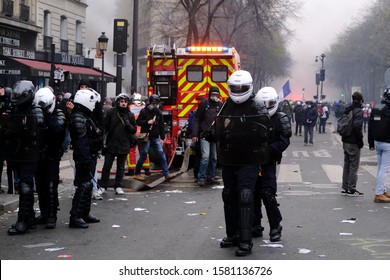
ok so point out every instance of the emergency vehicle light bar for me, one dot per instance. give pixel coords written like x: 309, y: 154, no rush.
x: 204, y: 49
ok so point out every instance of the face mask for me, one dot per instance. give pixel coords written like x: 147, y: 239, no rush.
x: 214, y: 98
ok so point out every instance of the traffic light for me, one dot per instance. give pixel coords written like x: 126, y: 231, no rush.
x: 120, y: 35
x: 323, y: 96
x: 322, y: 75
x: 315, y: 96
x: 317, y: 78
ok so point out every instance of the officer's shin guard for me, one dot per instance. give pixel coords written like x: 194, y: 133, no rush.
x: 43, y: 200
x: 230, y: 210
x: 246, y: 212
x: 26, y: 210
x: 78, y: 206
x: 51, y: 219
x: 87, y: 217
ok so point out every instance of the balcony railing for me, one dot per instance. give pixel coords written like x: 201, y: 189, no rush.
x: 79, y: 49
x: 8, y: 8
x: 47, y: 41
x: 24, y: 12
x: 64, y: 46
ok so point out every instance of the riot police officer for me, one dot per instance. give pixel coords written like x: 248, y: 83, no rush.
x: 266, y: 185
x: 242, y: 131
x: 22, y: 146
x: 87, y: 142
x: 47, y: 177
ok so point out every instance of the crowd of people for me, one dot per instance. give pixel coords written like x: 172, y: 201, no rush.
x: 246, y: 135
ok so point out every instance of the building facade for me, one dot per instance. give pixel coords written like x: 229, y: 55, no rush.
x: 43, y: 41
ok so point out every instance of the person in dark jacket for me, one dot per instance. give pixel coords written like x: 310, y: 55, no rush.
x: 242, y: 135
x: 352, y: 144
x: 119, y: 125
x: 379, y: 140
x: 203, y: 132
x: 87, y: 142
x: 266, y: 184
x: 151, y: 121
x: 299, y: 118
x: 48, y: 172
x: 310, y: 121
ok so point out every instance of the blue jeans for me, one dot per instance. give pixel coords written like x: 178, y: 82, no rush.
x: 383, y: 156
x: 157, y: 147
x: 208, y: 161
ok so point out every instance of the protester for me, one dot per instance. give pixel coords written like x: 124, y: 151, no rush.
x: 120, y: 126
x: 203, y: 131
x: 352, y: 144
x: 379, y: 140
x: 151, y: 122
x: 311, y: 116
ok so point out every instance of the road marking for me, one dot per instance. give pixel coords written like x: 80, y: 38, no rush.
x: 289, y: 173
x: 334, y: 172
x: 303, y: 153
x: 321, y: 153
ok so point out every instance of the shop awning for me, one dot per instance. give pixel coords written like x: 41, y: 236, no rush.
x: 42, y: 69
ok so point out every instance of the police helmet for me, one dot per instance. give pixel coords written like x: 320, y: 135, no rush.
x: 137, y: 98
x: 154, y: 97
x: 45, y: 98
x: 122, y: 96
x: 269, y: 96
x: 240, y: 86
x: 386, y: 94
x: 86, y: 98
x: 22, y: 93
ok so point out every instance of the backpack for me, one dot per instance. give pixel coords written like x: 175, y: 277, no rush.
x: 345, y: 124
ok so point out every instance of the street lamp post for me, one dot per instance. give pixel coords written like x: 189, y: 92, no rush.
x: 322, y: 73
x: 103, y: 42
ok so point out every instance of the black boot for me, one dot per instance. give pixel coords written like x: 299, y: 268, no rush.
x: 52, y: 206
x: 76, y: 220
x: 87, y: 217
x: 244, y: 249
x: 26, y: 211
x: 275, y: 234
x: 229, y: 242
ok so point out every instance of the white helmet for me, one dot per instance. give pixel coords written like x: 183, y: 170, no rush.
x: 240, y: 86
x: 137, y: 98
x: 367, y: 105
x: 269, y: 96
x: 45, y: 98
x: 87, y: 98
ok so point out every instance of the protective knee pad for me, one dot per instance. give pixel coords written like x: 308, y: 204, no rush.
x: 227, y: 196
x: 246, y: 197
x: 25, y: 189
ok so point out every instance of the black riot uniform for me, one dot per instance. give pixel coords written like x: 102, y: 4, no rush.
x: 87, y: 142
x: 47, y: 177
x: 266, y: 185
x: 242, y: 131
x: 22, y: 146
x: 5, y: 110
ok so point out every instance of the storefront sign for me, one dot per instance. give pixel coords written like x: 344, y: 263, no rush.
x: 18, y: 53
x: 72, y: 59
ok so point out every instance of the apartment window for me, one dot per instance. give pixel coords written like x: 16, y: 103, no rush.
x: 24, y: 11
x: 64, y: 34
x: 79, y: 45
x: 46, y: 23
x: 8, y: 8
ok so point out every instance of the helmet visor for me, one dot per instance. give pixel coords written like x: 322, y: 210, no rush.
x: 270, y: 103
x: 239, y: 88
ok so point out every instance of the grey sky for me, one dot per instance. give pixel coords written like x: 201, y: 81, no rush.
x: 321, y: 22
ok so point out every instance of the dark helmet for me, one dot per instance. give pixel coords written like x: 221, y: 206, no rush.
x: 22, y: 93
x: 386, y: 94
x: 8, y: 91
x: 122, y: 96
x: 154, y: 97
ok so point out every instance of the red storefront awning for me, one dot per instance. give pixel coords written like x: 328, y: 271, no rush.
x: 85, y: 72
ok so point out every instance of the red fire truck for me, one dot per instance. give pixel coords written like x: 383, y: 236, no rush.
x: 182, y: 78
